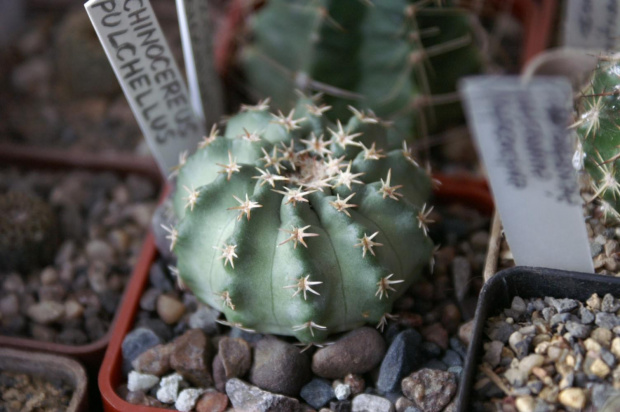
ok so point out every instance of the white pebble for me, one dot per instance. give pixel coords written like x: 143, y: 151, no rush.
x: 342, y: 392
x: 169, y: 388
x: 187, y: 399
x: 137, y: 381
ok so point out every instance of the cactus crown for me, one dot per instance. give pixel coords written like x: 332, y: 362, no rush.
x: 598, y: 129
x: 391, y: 56
x: 293, y: 225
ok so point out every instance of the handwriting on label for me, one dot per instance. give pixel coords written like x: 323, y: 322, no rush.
x: 149, y: 76
x: 592, y: 24
x: 521, y: 131
x: 197, y: 39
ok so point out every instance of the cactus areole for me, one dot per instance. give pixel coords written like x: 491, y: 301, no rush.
x: 292, y: 225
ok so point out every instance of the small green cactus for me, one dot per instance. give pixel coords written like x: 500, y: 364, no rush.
x: 598, y: 129
x: 393, y: 57
x: 293, y: 225
x: 28, y: 232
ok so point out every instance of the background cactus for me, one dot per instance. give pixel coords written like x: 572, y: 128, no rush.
x: 598, y: 129
x: 293, y: 225
x: 28, y: 232
x: 399, y: 59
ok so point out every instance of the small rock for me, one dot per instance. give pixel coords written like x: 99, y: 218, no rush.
x: 358, y: 351
x: 212, y: 401
x: 607, y: 320
x: 366, y: 403
x: 49, y: 276
x: 137, y: 381
x: 279, y: 367
x: 339, y: 406
x: 493, y: 353
x: 594, y: 302
x: 500, y: 330
x: 465, y: 331
x: 169, y: 388
x: 73, y: 309
x: 587, y: 317
x: 615, y: 346
x: 236, y: 356
x: 572, y: 398
x: 317, y: 393
x: 169, y: 309
x: 430, y: 390
x: 578, y: 330
x: 562, y: 305
x: 99, y: 250
x: 451, y: 358
x: 186, y: 400
x: 436, y: 333
x: 603, y: 336
x: 155, y: 360
x: 148, y: 300
x: 518, y: 305
x: 610, y: 304
x: 530, y: 362
x: 342, y: 391
x: 191, y: 355
x: 600, y: 368
x: 204, y: 318
x: 461, y: 276
x: 403, y: 356
x: 525, y: 404
x: 46, y: 312
x: 250, y: 398
x: 9, y: 305
x: 402, y: 403
x: 356, y: 383
x: 520, y: 344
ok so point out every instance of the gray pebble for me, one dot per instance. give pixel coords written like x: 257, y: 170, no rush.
x: 365, y: 403
x: 204, y: 318
x: 607, y: 320
x: 562, y: 305
x: 610, y: 304
x: 518, y: 305
x: 451, y: 358
x: 403, y: 356
x: 500, y: 330
x: 247, y: 397
x: 578, y: 330
x: 317, y: 393
x: 587, y: 317
x: 137, y: 341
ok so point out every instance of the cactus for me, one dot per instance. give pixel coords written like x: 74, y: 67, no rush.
x: 293, y: 225
x: 598, y: 130
x: 390, y: 56
x: 28, y: 232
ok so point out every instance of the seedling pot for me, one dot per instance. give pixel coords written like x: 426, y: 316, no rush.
x: 526, y: 282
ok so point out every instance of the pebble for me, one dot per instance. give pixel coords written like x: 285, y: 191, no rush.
x: 402, y: 357
x: 186, y: 400
x: 169, y: 309
x: 358, y: 351
x: 155, y: 360
x: 436, y: 333
x: 573, y: 398
x: 279, y: 367
x: 356, y: 383
x: 318, y: 392
x: 342, y: 391
x: 191, y: 356
x: 137, y: 381
x: 525, y: 404
x: 204, y: 318
x: 251, y: 398
x: 564, y: 305
x: 46, y: 312
x: 430, y: 390
x: 606, y: 320
x: 99, y: 250
x: 578, y: 330
x: 465, y: 332
x: 461, y: 276
x: 366, y: 403
x: 169, y: 388
x: 519, y: 344
x: 235, y: 355
x: 212, y: 401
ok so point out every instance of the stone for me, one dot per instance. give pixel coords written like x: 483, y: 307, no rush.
x: 402, y: 357
x: 169, y: 388
x: 235, y: 355
x: 436, y: 333
x: 607, y: 320
x: 530, y: 362
x: 342, y: 391
x: 500, y: 330
x: 204, y: 318
x: 279, y: 367
x: 137, y: 381
x: 367, y: 403
x: 493, y: 353
x: 452, y: 358
x: 578, y: 330
x: 600, y: 368
x: 317, y: 393
x: 430, y: 390
x: 587, y: 317
x: 155, y: 360
x: 461, y: 276
x: 339, y: 406
x: 186, y: 400
x: 159, y: 279
x: 402, y: 403
x: 465, y: 332
x: 137, y: 341
x: 525, y: 404
x: 594, y: 302
x: 73, y: 309
x: 610, y: 304
x: 251, y: 398
x: 358, y: 351
x: 602, y: 336
x: 615, y: 346
x: 564, y: 305
x: 212, y: 401
x: 518, y: 305
x: 46, y: 312
x: 219, y: 374
x: 169, y: 309
x: 573, y: 398
x: 356, y: 383
x: 520, y: 344
x: 99, y: 250
x: 191, y: 356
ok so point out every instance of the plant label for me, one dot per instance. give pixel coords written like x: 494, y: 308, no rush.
x: 197, y: 39
x: 149, y: 76
x: 521, y: 132
x: 592, y: 24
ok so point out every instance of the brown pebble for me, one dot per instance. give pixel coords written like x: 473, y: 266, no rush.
x: 465, y: 331
x: 191, y: 357
x: 154, y: 361
x: 356, y: 383
x: 410, y: 320
x: 170, y: 309
x: 212, y: 401
x: 436, y: 333
x: 451, y: 317
x: 236, y: 356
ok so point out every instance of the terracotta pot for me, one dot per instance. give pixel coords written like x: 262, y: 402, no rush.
x: 50, y: 367
x: 452, y: 190
x: 92, y: 353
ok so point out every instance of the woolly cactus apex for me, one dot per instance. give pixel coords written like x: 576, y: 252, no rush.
x: 309, y: 230
x: 390, y: 56
x: 598, y: 128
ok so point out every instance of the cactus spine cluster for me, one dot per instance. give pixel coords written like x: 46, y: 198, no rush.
x: 598, y: 129
x: 290, y: 224
x: 394, y: 57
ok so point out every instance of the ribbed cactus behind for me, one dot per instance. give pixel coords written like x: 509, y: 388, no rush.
x: 293, y: 225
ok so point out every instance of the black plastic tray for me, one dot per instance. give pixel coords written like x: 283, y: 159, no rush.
x: 527, y: 282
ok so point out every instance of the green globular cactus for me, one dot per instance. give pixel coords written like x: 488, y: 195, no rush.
x: 28, y: 232
x: 396, y: 58
x: 293, y: 225
x: 598, y: 130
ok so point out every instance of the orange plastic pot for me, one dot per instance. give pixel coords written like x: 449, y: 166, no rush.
x: 92, y: 353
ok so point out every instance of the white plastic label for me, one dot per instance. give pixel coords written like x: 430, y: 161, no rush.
x: 149, y: 76
x: 521, y: 132
x: 197, y: 39
x: 592, y: 24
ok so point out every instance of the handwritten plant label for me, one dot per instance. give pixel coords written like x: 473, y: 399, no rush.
x: 197, y: 39
x: 149, y: 76
x: 521, y: 133
x: 592, y: 24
